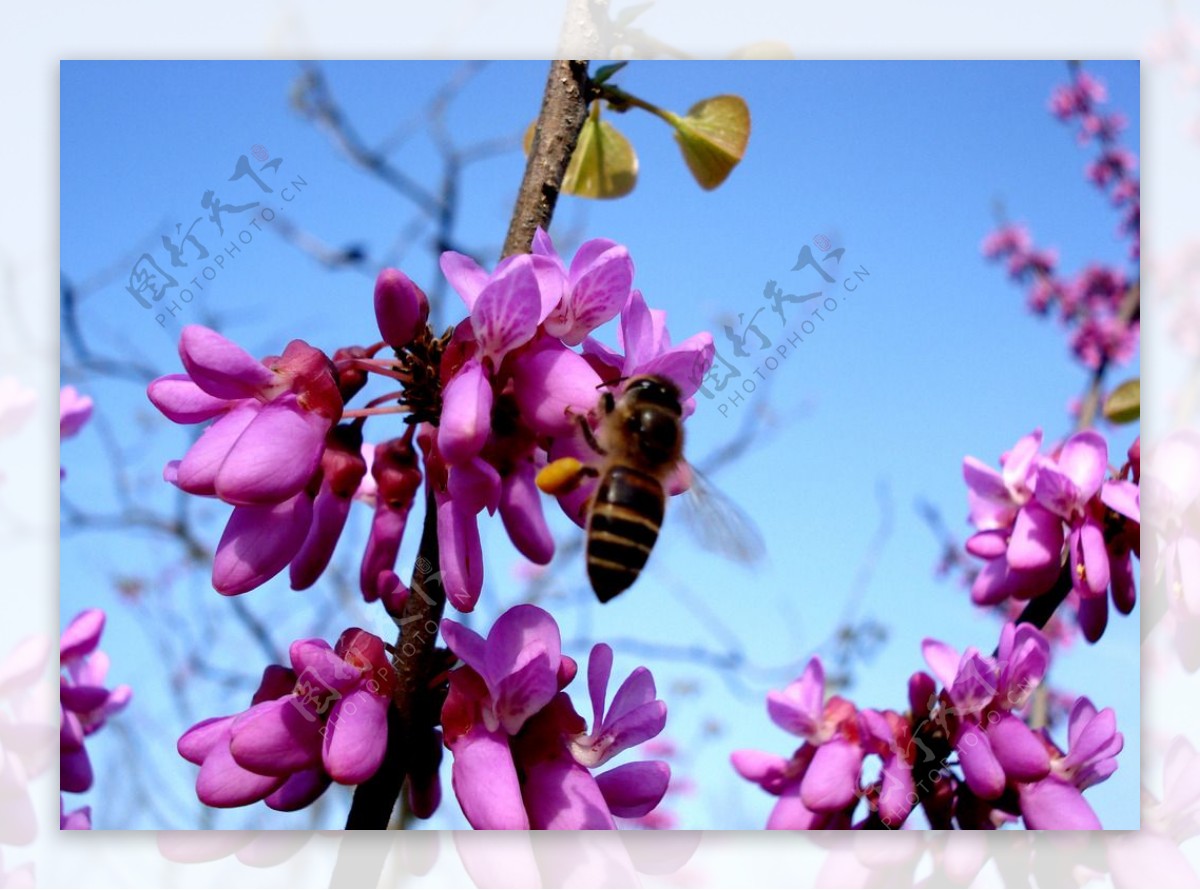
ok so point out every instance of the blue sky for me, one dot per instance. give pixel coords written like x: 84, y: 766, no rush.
x: 932, y: 358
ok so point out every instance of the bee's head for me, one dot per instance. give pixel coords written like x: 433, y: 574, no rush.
x: 652, y: 389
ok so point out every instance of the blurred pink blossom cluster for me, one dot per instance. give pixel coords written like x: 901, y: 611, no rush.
x: 962, y: 754
x: 1042, y: 514
x: 86, y: 705
x: 1092, y: 304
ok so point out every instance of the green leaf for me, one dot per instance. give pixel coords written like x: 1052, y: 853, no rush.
x: 604, y: 164
x: 605, y: 72
x: 1124, y: 404
x: 713, y: 137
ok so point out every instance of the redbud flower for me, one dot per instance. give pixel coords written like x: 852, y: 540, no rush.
x: 322, y: 720
x: 85, y: 702
x: 272, y: 417
x: 74, y: 410
x: 1057, y: 802
x: 522, y: 755
x: 994, y: 745
x: 401, y: 308
x: 593, y: 290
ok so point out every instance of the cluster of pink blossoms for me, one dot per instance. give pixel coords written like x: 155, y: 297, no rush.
x: 487, y: 405
x: 1041, y: 513
x: 493, y: 401
x: 85, y: 704
x: 1089, y: 304
x: 322, y: 720
x: 1003, y: 770
x: 523, y: 757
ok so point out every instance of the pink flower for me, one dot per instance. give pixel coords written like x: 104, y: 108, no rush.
x: 1057, y: 802
x: 522, y: 755
x: 322, y: 720
x: 401, y: 308
x: 74, y: 410
x: 593, y: 290
x: 505, y: 309
x: 993, y: 744
x: 85, y: 701
x: 818, y: 787
x: 271, y: 417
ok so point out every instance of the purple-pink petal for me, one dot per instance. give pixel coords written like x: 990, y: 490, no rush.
x: 485, y: 781
x: 220, y: 367
x: 275, y: 456
x: 1056, y: 805
x: 1020, y: 461
x: 600, y: 279
x: 179, y: 399
x: 1057, y: 491
x: 329, y: 515
x: 82, y: 635
x: 464, y: 275
x: 637, y: 690
x: 981, y: 769
x: 355, y: 737
x: 987, y: 544
x: 1037, y: 538
x: 258, y: 542
x: 600, y: 663
x: 634, y: 789
x: 561, y: 795
x: 196, y: 473
x: 685, y: 365
x: 523, y: 517
x: 942, y: 658
x: 299, y: 791
x: 762, y: 768
x: 1084, y: 457
x: 466, y: 414
x: 199, y: 741
x: 1124, y: 497
x: 222, y: 782
x: 798, y: 708
x: 831, y: 782
x: 401, y: 308
x: 462, y: 553
x: 554, y: 386
x: 507, y: 310
x: 276, y: 738
x: 1018, y: 749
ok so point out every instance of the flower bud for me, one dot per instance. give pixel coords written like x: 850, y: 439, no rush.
x: 401, y: 308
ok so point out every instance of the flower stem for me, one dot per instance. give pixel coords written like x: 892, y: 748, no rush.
x: 1129, y: 310
x: 375, y: 799
x: 564, y: 109
x: 414, y: 712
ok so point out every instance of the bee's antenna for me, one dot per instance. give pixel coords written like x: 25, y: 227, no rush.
x: 604, y: 384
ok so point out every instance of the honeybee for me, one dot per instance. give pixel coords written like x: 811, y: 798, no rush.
x: 639, y: 443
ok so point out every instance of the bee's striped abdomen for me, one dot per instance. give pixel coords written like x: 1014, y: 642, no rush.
x: 625, y: 518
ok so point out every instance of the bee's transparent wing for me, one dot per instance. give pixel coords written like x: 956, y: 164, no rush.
x: 717, y: 523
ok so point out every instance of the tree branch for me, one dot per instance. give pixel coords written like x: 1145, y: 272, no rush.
x: 564, y: 109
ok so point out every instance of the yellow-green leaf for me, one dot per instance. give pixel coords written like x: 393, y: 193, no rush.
x: 604, y: 164
x: 1124, y: 404
x: 713, y: 137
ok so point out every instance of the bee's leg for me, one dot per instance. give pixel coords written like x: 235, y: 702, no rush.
x: 608, y: 401
x: 589, y: 436
x: 564, y: 476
